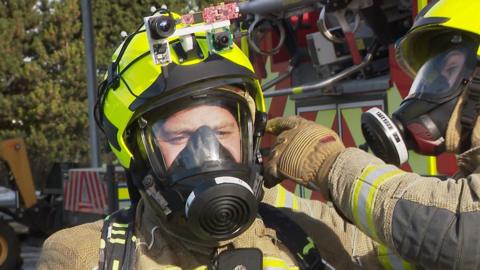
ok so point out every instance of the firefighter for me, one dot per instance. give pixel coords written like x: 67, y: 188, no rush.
x: 430, y: 223
x: 188, y: 133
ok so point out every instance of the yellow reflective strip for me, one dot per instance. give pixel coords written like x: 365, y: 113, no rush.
x: 293, y: 268
x: 281, y: 196
x: 203, y: 267
x: 364, y: 193
x: 383, y: 258
x: 372, y: 194
x: 115, y: 265
x: 391, y: 261
x: 169, y: 267
x: 272, y: 262
x: 118, y: 232
x: 356, y: 194
x: 245, y: 46
x: 297, y: 90
x: 432, y: 165
x: 294, y: 202
x: 308, y: 246
x: 119, y: 225
x: 116, y: 241
x: 102, y: 243
x: 421, y: 4
x: 122, y: 193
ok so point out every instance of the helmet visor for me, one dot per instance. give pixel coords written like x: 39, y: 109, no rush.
x: 212, y: 132
x: 440, y: 77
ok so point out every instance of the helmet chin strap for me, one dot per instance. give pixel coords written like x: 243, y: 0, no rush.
x: 151, y: 190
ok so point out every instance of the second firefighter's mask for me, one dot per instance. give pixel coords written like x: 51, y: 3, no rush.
x: 421, y: 121
x: 200, y: 151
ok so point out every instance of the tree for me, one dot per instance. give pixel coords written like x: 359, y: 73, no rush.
x: 43, y: 95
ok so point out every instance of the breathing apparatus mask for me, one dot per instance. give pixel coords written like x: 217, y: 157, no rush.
x: 421, y: 121
x: 204, y: 170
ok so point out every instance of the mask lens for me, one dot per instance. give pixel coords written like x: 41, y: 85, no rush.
x: 206, y: 134
x: 440, y: 77
x: 208, y: 130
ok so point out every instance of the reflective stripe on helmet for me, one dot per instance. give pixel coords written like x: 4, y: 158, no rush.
x: 365, y: 192
x: 389, y: 260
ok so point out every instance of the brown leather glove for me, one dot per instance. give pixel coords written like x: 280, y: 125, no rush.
x: 303, y: 152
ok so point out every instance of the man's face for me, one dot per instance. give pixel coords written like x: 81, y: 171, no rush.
x: 174, y: 134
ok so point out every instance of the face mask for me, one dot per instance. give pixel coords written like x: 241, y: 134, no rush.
x: 420, y: 123
x: 412, y: 127
x: 207, y: 178
x: 216, y: 192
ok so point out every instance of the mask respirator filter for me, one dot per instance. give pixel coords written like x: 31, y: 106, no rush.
x: 220, y: 208
x: 384, y: 137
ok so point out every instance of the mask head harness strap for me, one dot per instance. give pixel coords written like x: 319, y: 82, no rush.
x: 470, y: 111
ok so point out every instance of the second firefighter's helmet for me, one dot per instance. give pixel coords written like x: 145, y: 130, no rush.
x: 438, y: 21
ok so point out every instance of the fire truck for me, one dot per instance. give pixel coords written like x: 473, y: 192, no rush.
x: 328, y: 61
x: 332, y: 63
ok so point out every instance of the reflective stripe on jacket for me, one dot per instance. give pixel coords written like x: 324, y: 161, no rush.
x: 431, y: 223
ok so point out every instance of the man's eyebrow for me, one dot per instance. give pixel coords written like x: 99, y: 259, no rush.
x: 175, y: 129
x: 183, y: 128
x: 225, y: 124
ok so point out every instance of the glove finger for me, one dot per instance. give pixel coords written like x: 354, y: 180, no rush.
x: 270, y: 178
x: 270, y: 175
x: 279, y: 144
x: 278, y: 125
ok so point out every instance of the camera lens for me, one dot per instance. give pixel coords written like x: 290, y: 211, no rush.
x: 222, y: 40
x: 161, y: 27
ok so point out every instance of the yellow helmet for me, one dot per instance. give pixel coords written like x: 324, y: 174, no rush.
x: 135, y: 85
x: 435, y: 21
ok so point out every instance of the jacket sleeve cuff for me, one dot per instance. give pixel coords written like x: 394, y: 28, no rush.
x: 341, y: 179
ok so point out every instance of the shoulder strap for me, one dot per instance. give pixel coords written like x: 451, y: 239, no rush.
x: 118, y: 242
x: 470, y: 111
x: 292, y: 236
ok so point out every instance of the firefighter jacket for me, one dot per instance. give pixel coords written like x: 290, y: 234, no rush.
x: 431, y: 223
x: 156, y: 248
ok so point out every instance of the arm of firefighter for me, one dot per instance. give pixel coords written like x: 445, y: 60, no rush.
x: 340, y: 243
x: 429, y: 222
x: 74, y: 248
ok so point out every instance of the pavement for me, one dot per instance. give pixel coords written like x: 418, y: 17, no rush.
x: 30, y: 252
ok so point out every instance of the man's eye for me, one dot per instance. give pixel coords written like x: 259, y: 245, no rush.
x: 223, y: 132
x: 178, y: 139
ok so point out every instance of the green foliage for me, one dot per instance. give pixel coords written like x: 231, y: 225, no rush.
x: 43, y: 96
x: 42, y: 78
